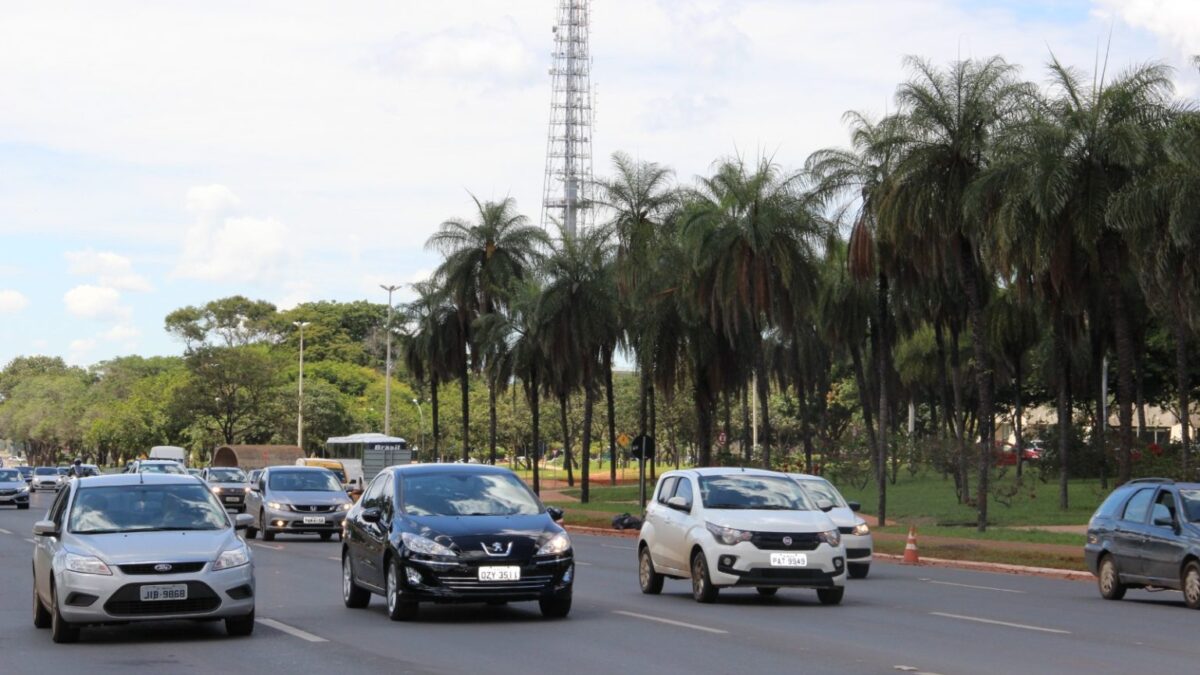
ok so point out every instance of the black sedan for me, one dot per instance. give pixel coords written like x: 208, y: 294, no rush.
x: 454, y: 533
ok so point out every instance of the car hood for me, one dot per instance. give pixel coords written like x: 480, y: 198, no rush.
x: 46, y: 477
x: 469, y: 534
x: 842, y: 516
x: 242, y: 486
x: 13, y: 485
x: 139, y: 547
x: 770, y: 521
x: 308, y: 497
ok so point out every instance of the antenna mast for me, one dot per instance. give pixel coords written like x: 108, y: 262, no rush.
x: 567, y: 188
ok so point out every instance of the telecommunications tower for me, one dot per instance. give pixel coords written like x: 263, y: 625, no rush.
x: 568, y: 183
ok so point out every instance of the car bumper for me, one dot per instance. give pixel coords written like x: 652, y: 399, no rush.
x: 747, y: 565
x: 433, y: 582
x: 18, y: 498
x: 859, y: 549
x: 96, y: 599
x: 1091, y: 557
x: 45, y: 485
x: 232, y: 501
x: 292, y: 521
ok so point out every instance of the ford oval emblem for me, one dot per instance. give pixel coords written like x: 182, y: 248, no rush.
x: 787, y: 541
x: 162, y: 567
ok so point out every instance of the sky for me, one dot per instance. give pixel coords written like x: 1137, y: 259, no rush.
x: 157, y: 155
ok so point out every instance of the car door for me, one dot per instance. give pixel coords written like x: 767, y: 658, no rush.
x: 1164, y: 548
x: 1129, y: 535
x: 369, y: 539
x: 255, y: 498
x: 45, y: 548
x: 657, y: 520
x: 679, y: 521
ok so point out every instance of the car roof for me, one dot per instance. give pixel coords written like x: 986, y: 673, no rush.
x: 726, y: 471
x: 287, y: 467
x: 807, y: 476
x: 124, y: 479
x: 448, y: 467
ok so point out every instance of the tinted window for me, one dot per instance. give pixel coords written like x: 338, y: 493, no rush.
x: 467, y: 494
x: 227, y: 475
x: 1138, y: 505
x: 1191, y: 504
x: 822, y: 489
x: 304, y: 481
x: 45, y: 471
x: 10, y: 476
x: 370, y: 498
x: 684, y: 490
x: 161, y: 467
x: 145, y: 508
x: 1166, y: 500
x: 752, y: 492
x: 1112, y: 506
x: 59, y: 507
x: 666, y: 488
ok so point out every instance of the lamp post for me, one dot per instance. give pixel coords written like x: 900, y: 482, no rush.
x: 300, y: 396
x: 421, y: 413
x: 387, y: 383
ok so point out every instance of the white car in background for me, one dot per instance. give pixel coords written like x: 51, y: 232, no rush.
x: 856, y: 534
x: 47, y: 478
x: 723, y: 527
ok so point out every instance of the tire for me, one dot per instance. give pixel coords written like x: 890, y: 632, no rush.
x: 268, y: 535
x: 41, y: 615
x: 251, y: 533
x: 831, y: 596
x: 398, y: 609
x: 858, y: 570
x: 240, y: 626
x: 767, y: 591
x: 702, y: 586
x: 555, y: 607
x: 326, y: 536
x: 651, y: 581
x: 353, y: 595
x: 1108, y: 580
x: 1190, y: 584
x: 61, y: 631
x: 22, y: 507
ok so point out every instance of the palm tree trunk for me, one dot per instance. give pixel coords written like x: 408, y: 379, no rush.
x: 612, y: 417
x: 747, y: 450
x: 536, y: 414
x: 864, y: 396
x: 960, y: 432
x: 585, y: 471
x: 437, y: 427
x: 881, y: 353
x: 563, y: 399
x: 492, y: 423
x: 983, y: 373
x: 643, y: 389
x: 1125, y: 359
x: 1181, y: 382
x: 764, y: 407
x: 728, y: 417
x: 465, y: 387
x: 702, y: 401
x: 653, y: 430
x: 1017, y: 419
x: 1064, y: 405
x: 1099, y: 419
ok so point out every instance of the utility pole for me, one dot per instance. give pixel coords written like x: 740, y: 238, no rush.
x: 387, y: 383
x: 300, y: 396
x: 421, y: 415
x: 566, y: 191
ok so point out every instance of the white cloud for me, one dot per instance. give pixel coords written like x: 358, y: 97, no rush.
x: 12, y: 301
x: 211, y: 200
x: 1176, y: 21
x: 227, y: 248
x: 96, y: 302
x: 110, y: 269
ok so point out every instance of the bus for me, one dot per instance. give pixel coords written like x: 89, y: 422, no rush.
x: 365, y: 455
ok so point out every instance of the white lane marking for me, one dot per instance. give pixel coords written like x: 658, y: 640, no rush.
x: 981, y: 588
x: 627, y: 548
x: 1001, y: 623
x: 335, y: 558
x: 4, y: 531
x: 273, y: 548
x: 580, y: 562
x: 671, y: 622
x: 30, y: 540
x: 913, y: 670
x: 294, y: 632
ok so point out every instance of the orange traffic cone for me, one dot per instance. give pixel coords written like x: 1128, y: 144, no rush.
x: 911, y: 557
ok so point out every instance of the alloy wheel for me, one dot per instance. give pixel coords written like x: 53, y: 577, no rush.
x: 392, y: 589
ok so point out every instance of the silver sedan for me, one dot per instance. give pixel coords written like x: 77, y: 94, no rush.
x: 140, y: 547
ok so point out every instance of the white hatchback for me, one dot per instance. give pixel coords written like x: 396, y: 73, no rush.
x: 722, y: 527
x: 856, y: 534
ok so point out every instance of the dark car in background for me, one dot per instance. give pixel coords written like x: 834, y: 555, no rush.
x: 26, y: 473
x: 1146, y: 534
x: 454, y: 533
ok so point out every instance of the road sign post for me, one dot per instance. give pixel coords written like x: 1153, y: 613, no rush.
x: 643, y: 449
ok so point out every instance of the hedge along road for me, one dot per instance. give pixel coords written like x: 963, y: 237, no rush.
x: 924, y: 619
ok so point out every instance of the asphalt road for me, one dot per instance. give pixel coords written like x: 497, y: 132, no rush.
x: 900, y: 619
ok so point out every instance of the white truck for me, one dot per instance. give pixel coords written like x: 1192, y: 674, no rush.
x: 170, y: 452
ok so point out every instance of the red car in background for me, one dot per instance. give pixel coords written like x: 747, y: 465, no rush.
x: 1006, y: 453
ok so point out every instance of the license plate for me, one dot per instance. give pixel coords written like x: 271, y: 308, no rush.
x: 499, y: 573
x: 789, y: 560
x: 164, y: 592
x: 314, y: 520
x: 232, y: 499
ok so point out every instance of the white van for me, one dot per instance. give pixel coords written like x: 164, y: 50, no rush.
x: 170, y: 452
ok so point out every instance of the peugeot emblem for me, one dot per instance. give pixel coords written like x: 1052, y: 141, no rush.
x: 162, y: 567
x: 787, y: 541
x: 497, y: 547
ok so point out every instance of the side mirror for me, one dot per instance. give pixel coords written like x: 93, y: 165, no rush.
x: 45, y: 528
x: 854, y: 506
x: 371, y: 515
x: 825, y: 505
x: 678, y: 503
x: 242, y: 520
x: 556, y: 514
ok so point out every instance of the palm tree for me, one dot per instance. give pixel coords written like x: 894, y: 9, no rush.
x: 428, y: 347
x: 1013, y: 331
x: 482, y: 259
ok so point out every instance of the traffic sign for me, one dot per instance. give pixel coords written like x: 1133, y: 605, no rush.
x: 643, y: 447
x: 623, y: 440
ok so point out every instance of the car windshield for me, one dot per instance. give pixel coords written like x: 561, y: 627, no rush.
x: 304, y: 481
x: 45, y: 471
x: 752, y: 492
x: 1191, y: 504
x: 10, y: 476
x: 822, y: 489
x: 62, y: 470
x: 145, y: 508
x: 230, y: 475
x: 161, y: 467
x: 467, y: 494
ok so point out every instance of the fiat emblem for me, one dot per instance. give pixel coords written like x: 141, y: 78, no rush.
x: 787, y: 541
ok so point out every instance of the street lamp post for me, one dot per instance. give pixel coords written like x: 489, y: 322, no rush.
x: 387, y: 384
x: 300, y: 396
x: 421, y: 413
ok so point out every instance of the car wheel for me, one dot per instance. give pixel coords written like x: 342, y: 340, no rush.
x: 268, y: 535
x: 831, y: 596
x: 555, y: 607
x: 326, y: 536
x: 61, y: 631
x: 858, y: 570
x: 22, y: 507
x: 1109, y: 580
x: 240, y: 626
x: 651, y: 581
x: 398, y: 609
x: 41, y: 616
x: 767, y: 591
x: 1191, y: 585
x: 355, y: 596
x: 702, y: 586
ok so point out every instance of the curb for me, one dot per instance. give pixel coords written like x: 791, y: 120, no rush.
x: 1047, y: 572
x: 602, y: 532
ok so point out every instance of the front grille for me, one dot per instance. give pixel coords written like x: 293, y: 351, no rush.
x: 773, y: 541
x: 846, y: 530
x: 300, y: 524
x: 176, y: 568
x: 314, y: 508
x: 858, y: 552
x: 7, y: 493
x: 474, y: 585
x: 126, y: 602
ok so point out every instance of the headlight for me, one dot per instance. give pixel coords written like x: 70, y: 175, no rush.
x: 234, y: 557
x: 86, y: 564
x: 861, y: 530
x: 727, y: 535
x: 347, y: 506
x: 217, y: 488
x: 556, y: 545
x: 275, y: 505
x: 424, y: 546
x: 831, y: 537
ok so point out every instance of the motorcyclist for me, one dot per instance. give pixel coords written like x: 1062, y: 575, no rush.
x: 76, y: 469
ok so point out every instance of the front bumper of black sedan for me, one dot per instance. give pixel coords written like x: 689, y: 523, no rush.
x: 437, y: 580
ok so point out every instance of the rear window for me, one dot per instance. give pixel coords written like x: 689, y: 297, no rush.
x: 1112, y: 505
x: 1138, y: 506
